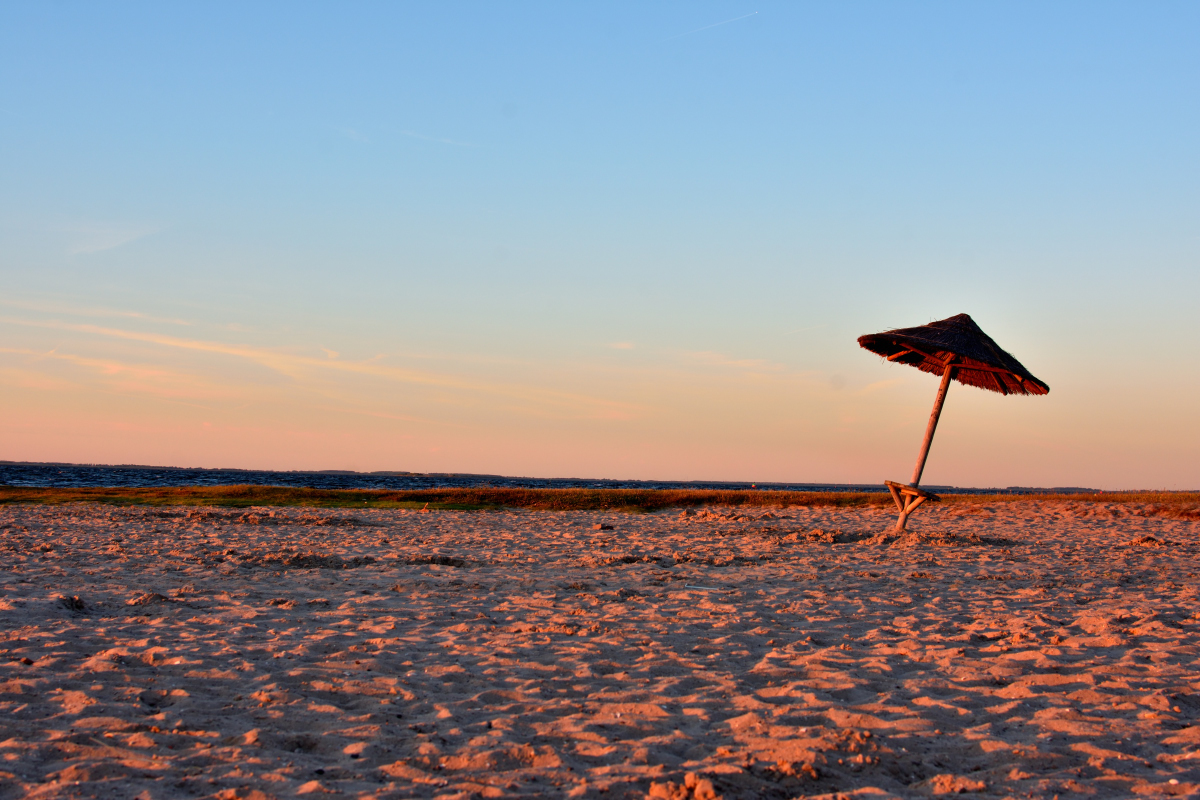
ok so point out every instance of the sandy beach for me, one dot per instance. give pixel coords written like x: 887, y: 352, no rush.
x: 1025, y: 649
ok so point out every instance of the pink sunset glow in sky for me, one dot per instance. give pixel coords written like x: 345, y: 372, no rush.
x: 618, y: 241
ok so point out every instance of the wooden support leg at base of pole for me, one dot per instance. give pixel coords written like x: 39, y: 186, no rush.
x: 907, y: 498
x: 909, y: 507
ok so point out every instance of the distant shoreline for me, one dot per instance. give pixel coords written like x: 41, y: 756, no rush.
x: 12, y: 474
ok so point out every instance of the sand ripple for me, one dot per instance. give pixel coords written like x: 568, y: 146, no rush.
x: 1024, y: 649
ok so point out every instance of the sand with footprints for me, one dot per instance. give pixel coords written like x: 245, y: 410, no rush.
x: 1026, y: 649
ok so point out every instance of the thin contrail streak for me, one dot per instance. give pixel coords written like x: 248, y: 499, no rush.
x: 715, y: 24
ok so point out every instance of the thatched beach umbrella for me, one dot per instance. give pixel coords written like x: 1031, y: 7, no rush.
x: 956, y: 348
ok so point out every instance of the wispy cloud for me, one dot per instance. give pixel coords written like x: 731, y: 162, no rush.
x: 299, y: 366
x: 714, y: 25
x: 721, y: 360
x: 140, y: 378
x: 805, y: 329
x: 871, y: 388
x: 85, y: 311
x: 352, y: 134
x: 393, y: 417
x: 39, y: 380
x: 436, y: 139
x: 621, y: 345
x: 89, y: 238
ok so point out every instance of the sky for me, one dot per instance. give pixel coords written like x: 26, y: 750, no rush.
x: 609, y: 240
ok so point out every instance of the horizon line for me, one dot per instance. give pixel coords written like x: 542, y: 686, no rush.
x: 817, y: 485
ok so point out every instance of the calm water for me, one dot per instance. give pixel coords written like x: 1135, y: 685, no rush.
x: 91, y: 476
x: 52, y: 475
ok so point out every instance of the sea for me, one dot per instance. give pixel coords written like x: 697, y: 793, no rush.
x: 33, y: 474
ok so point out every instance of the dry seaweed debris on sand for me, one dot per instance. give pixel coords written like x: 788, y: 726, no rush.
x: 265, y: 516
x: 938, y: 539
x: 437, y: 560
x: 893, y: 538
x: 73, y: 603
x: 302, y: 561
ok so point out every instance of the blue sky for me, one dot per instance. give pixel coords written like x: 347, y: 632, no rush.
x: 612, y: 240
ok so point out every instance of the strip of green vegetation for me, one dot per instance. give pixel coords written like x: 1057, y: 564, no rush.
x: 475, y: 499
x: 230, y: 496
x: 634, y: 500
x: 1171, y: 499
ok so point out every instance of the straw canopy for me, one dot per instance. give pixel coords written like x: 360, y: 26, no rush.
x: 957, y: 340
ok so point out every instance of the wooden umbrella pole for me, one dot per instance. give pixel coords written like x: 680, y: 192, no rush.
x: 929, y: 431
x: 932, y: 426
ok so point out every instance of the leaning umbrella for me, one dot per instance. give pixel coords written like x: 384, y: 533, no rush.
x: 955, y: 348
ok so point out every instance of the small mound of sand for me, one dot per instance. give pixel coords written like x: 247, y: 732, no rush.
x: 692, y: 787
x: 817, y: 535
x: 315, y: 519
x: 952, y: 784
x: 256, y: 519
x: 147, y: 599
x: 1150, y: 541
x: 1168, y: 512
x: 263, y: 516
